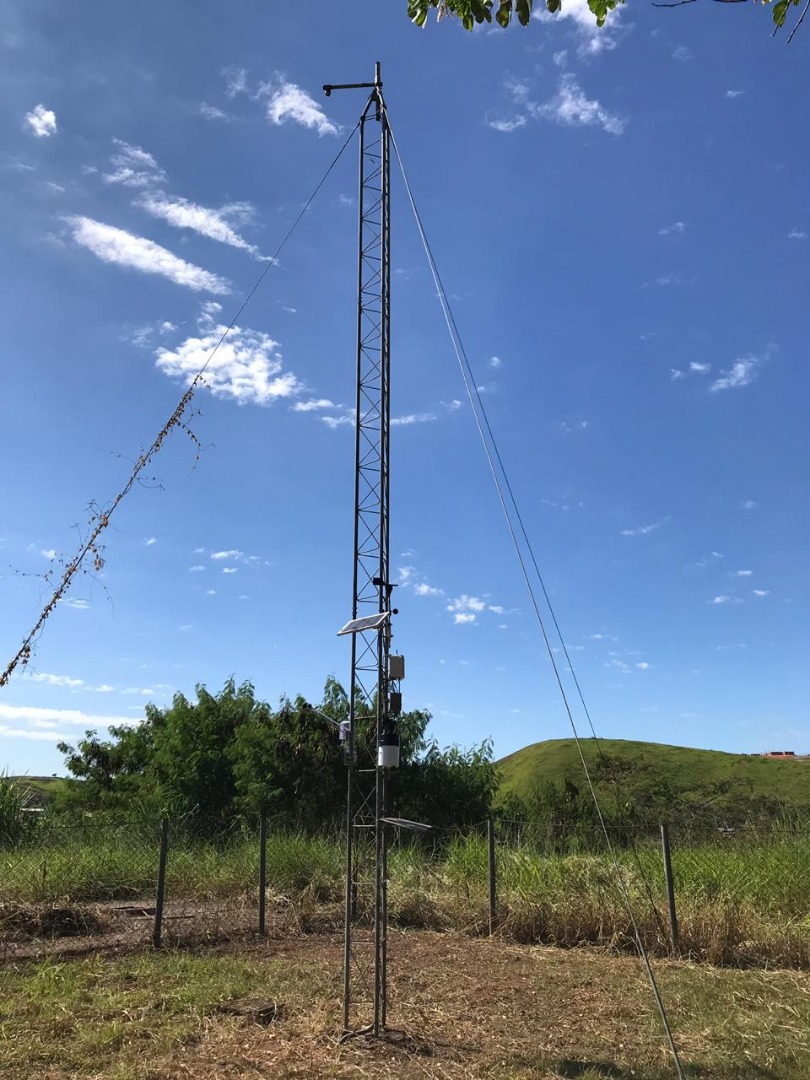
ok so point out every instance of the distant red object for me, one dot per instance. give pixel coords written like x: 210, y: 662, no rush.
x: 780, y: 754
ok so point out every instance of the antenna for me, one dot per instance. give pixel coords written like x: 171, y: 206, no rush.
x: 372, y: 682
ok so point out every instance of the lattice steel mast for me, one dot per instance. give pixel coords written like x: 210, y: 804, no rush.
x: 365, y: 961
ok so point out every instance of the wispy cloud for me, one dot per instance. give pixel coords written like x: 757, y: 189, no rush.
x: 41, y: 121
x: 211, y: 112
x: 314, y: 405
x: 505, y: 125
x: 423, y: 589
x: 461, y: 618
x: 133, y: 167
x: 695, y: 368
x: 724, y: 599
x: 150, y: 540
x: 117, y: 246
x: 53, y: 718
x: 495, y: 362
x: 797, y: 234
x: 749, y: 504
x: 741, y: 373
x: 677, y: 227
x: 734, y: 93
x: 236, y: 81
x: 413, y: 418
x: 743, y: 573
x: 231, y: 553
x: 643, y: 530
x: 761, y: 592
x: 184, y: 214
x: 682, y: 54
x: 66, y: 681
x: 247, y: 366
x: 571, y: 108
x: 286, y: 101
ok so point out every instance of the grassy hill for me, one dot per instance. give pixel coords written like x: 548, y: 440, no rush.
x: 682, y: 767
x: 39, y: 790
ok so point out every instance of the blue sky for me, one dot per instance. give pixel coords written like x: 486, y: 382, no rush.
x: 621, y: 218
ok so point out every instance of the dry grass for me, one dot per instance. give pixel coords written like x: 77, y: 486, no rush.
x: 465, y: 1008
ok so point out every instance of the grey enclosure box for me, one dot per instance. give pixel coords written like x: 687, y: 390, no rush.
x: 396, y: 667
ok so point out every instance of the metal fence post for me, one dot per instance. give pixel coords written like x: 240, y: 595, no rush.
x: 262, y: 871
x: 492, y: 890
x: 161, y: 882
x: 673, y: 915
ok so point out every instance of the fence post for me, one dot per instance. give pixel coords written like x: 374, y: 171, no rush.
x: 262, y: 871
x: 161, y: 882
x: 492, y: 891
x: 673, y: 915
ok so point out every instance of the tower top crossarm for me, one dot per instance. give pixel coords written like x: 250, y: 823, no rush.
x: 375, y: 87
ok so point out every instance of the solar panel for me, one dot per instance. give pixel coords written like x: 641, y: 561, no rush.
x: 368, y: 622
x: 404, y: 823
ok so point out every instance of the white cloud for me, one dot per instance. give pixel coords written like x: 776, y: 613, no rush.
x: 682, y: 54
x: 42, y: 121
x: 700, y: 368
x: 761, y: 592
x: 497, y: 609
x: 797, y: 234
x: 79, y: 605
x: 592, y: 39
x: 150, y: 540
x: 743, y: 573
x: 117, y: 246
x: 338, y: 421
x: 749, y: 504
x: 57, y: 680
x: 506, y: 126
x: 196, y: 569
x: 495, y: 362
x: 314, y: 405
x: 575, y: 425
x: 572, y: 108
x: 210, y: 592
x: 48, y: 553
x: 642, y: 530
x: 413, y: 418
x: 235, y: 81
x: 229, y: 569
x: 461, y: 618
x: 423, y: 589
x: 232, y: 553
x: 290, y: 102
x: 734, y: 93
x: 643, y: 665
x: 211, y: 112
x: 678, y: 227
x: 405, y: 574
x: 133, y: 167
x: 57, y: 717
x: 741, y: 373
x: 183, y: 214
x: 246, y: 367
x: 467, y: 603
x: 675, y: 374
x: 723, y: 599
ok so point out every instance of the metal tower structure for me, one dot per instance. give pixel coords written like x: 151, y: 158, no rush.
x: 368, y: 752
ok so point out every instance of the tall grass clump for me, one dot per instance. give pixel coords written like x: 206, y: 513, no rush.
x: 15, y: 820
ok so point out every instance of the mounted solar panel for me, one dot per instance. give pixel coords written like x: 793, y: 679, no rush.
x: 368, y: 622
x: 404, y: 823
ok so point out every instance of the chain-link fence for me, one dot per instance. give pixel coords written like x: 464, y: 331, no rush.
x: 734, y: 896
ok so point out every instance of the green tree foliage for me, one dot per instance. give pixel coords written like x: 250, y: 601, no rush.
x: 229, y: 754
x: 470, y: 12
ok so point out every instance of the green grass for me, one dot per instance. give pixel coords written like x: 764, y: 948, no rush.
x: 40, y: 790
x: 683, y: 767
x: 741, y: 900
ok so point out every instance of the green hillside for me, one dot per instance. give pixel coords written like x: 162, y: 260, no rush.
x: 680, y: 767
x: 38, y: 790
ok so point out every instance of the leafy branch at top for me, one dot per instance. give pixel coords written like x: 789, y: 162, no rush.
x: 471, y: 12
